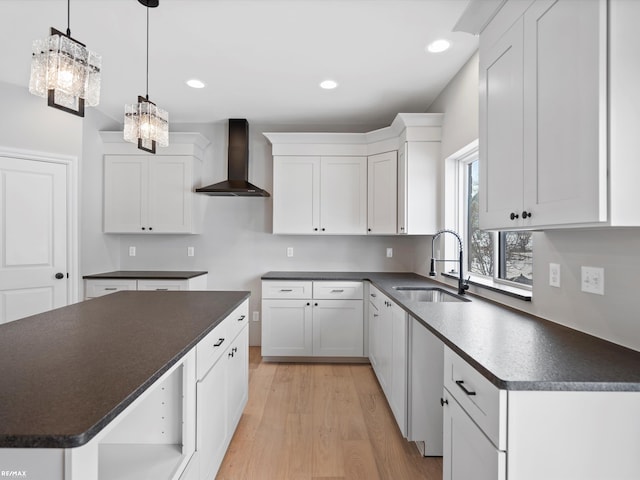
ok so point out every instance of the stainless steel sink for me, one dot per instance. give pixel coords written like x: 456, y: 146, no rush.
x: 429, y: 294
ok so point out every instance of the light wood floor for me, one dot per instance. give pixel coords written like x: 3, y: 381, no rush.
x: 320, y: 422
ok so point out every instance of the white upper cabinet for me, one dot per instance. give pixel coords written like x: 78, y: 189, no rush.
x: 557, y: 130
x: 319, y: 195
x: 380, y: 182
x: 383, y: 193
x: 151, y: 194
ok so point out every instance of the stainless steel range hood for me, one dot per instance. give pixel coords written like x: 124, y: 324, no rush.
x: 237, y: 184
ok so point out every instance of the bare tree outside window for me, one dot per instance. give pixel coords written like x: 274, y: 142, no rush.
x: 515, y: 249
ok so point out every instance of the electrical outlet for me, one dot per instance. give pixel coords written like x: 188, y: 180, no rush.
x: 554, y: 275
x: 389, y: 252
x: 190, y: 252
x: 592, y: 280
x: 289, y: 251
x: 132, y: 251
x: 256, y: 316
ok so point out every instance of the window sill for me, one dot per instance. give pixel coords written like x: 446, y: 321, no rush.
x: 514, y: 292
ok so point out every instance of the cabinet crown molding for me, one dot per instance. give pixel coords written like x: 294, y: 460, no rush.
x: 180, y: 143
x: 425, y: 127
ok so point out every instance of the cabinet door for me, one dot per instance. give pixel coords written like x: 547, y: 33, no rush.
x: 384, y: 346
x: 338, y: 329
x: 374, y: 333
x: 212, y: 418
x: 238, y: 378
x: 501, y: 130
x: 565, y: 156
x: 425, y: 389
x: 382, y: 171
x: 343, y: 195
x: 170, y: 196
x: 125, y: 193
x: 286, y: 328
x: 296, y: 195
x: 402, y: 219
x: 467, y: 451
x: 398, y: 391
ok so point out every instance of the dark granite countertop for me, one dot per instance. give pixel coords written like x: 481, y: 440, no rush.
x: 68, y: 372
x: 146, y: 275
x: 514, y: 350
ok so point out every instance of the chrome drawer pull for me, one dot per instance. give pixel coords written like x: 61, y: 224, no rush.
x: 337, y: 291
x: 241, y: 318
x: 111, y: 288
x: 286, y: 290
x: 161, y: 289
x: 219, y: 342
x: 460, y: 383
x: 373, y: 295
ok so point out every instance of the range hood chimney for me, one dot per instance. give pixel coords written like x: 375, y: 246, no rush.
x: 237, y: 184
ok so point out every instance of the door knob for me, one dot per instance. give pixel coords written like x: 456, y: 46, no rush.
x: 513, y: 216
x: 59, y: 275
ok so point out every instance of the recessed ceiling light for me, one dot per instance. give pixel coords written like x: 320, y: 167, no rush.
x: 195, y: 83
x: 438, y: 46
x: 329, y: 84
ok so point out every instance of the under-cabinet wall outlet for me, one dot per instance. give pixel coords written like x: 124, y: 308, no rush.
x: 132, y: 251
x: 554, y: 275
x: 389, y: 252
x: 190, y: 252
x: 289, y: 251
x: 592, y: 280
x: 256, y: 316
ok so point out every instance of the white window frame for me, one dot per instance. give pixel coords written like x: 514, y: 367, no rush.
x: 455, y: 214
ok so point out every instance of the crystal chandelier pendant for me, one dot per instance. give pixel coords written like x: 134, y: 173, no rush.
x: 65, y: 72
x: 146, y: 124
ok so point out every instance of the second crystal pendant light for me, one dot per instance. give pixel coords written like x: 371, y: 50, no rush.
x: 145, y: 123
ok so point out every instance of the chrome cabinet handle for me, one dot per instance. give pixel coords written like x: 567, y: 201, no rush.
x: 337, y: 291
x: 286, y: 290
x: 242, y: 318
x: 460, y: 383
x: 111, y: 288
x: 219, y: 342
x: 161, y: 289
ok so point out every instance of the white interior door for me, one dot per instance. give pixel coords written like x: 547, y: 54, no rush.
x: 33, y: 237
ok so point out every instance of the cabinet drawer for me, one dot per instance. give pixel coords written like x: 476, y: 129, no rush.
x: 293, y: 289
x: 211, y: 347
x: 337, y: 290
x: 238, y: 319
x: 485, y: 403
x: 98, y: 288
x: 163, y: 285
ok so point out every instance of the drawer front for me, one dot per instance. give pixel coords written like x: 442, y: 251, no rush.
x: 211, y: 347
x: 293, y: 289
x: 485, y: 403
x: 337, y: 290
x: 375, y: 297
x: 98, y: 288
x: 238, y: 319
x: 162, y: 285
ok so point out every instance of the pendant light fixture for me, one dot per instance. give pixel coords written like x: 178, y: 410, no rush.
x: 65, y: 72
x: 144, y: 122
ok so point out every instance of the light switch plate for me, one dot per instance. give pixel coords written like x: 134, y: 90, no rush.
x: 289, y: 251
x: 132, y: 251
x: 190, y: 252
x: 592, y: 280
x: 554, y: 275
x: 389, y: 252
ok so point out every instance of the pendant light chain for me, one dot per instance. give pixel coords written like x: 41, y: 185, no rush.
x: 147, y: 52
x: 69, y: 18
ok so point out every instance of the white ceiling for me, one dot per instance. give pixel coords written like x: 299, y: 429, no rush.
x: 261, y: 59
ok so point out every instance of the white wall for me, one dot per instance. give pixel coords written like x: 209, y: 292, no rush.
x: 613, y: 316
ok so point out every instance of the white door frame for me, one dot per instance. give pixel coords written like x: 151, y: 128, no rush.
x: 71, y: 163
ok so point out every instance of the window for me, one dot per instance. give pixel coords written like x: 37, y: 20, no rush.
x: 505, y: 257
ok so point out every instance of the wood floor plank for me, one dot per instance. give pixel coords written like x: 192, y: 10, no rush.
x: 320, y: 422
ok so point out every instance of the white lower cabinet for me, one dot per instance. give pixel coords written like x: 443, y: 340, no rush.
x: 426, y: 353
x: 222, y: 393
x: 304, y: 319
x: 388, y: 352
x: 97, y: 287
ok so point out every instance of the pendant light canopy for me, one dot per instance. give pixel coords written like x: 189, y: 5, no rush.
x: 65, y: 72
x: 145, y: 123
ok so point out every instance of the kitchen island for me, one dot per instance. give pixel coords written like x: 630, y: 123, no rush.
x: 88, y: 387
